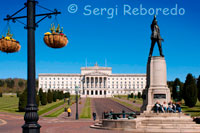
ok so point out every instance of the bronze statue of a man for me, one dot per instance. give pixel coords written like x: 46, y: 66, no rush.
x: 155, y: 37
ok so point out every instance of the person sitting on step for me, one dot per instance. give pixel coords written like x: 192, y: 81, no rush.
x: 178, y: 107
x: 169, y: 109
x: 174, y: 107
x: 165, y: 106
x: 158, y: 107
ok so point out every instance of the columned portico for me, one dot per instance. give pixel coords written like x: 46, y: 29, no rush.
x: 94, y: 85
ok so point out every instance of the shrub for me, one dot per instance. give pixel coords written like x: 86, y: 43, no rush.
x: 131, y: 96
x: 44, y: 98
x: 49, y: 96
x: 54, y: 96
x: 198, y: 87
x: 139, y: 95
x: 190, y: 91
x: 22, y: 101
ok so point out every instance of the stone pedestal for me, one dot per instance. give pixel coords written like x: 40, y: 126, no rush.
x: 156, y: 87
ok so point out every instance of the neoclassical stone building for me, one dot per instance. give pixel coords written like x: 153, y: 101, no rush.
x: 94, y: 81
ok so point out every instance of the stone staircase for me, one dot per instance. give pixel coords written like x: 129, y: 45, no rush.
x: 176, y: 122
x: 159, y: 123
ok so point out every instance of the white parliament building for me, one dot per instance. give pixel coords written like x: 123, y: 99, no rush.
x: 94, y: 81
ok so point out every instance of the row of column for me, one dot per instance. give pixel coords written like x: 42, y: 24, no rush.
x: 95, y: 82
x: 94, y: 92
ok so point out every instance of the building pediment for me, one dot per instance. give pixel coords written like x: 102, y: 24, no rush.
x: 96, y: 74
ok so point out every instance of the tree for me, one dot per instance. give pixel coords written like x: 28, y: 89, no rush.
x: 44, y: 98
x: 177, y: 94
x: 170, y: 85
x: 67, y: 95
x: 60, y: 95
x: 21, y: 83
x: 10, y: 83
x: 198, y: 87
x: 38, y: 100
x: 18, y: 93
x: 1, y: 93
x: 54, y: 95
x: 36, y: 83
x: 49, y: 96
x: 190, y: 91
x: 40, y: 93
x: 2, y: 83
x: 139, y: 95
x: 22, y: 101
x: 131, y: 96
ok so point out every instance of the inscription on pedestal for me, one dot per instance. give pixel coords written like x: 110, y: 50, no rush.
x: 159, y: 96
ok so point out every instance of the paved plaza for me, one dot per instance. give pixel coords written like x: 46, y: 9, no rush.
x: 11, y: 123
x: 49, y: 125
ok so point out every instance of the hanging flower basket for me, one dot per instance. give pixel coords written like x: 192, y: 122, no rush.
x: 55, y: 38
x: 8, y: 44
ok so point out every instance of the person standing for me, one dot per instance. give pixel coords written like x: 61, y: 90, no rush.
x: 94, y: 116
x: 69, y: 112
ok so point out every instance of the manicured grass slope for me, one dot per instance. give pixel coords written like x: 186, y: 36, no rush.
x: 48, y: 107
x: 86, y: 111
x: 9, y: 104
x: 131, y: 106
x: 195, y: 111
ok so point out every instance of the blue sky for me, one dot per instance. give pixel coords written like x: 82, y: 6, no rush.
x: 124, y: 40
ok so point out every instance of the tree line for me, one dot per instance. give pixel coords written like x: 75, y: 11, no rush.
x: 189, y: 91
x: 15, y: 85
x: 42, y: 98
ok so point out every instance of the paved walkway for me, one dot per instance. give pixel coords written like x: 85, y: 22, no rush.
x: 73, y: 109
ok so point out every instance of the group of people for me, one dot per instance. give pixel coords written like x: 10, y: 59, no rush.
x: 171, y: 107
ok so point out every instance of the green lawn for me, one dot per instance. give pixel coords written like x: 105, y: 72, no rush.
x: 127, y: 104
x: 86, y: 111
x: 56, y: 113
x: 48, y: 107
x: 195, y: 111
x: 10, y: 104
x: 138, y: 100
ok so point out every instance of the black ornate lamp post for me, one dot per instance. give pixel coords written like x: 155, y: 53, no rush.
x: 177, y: 92
x: 76, y: 89
x: 31, y: 116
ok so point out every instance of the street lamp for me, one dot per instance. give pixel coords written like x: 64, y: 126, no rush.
x: 76, y: 90
x: 31, y: 116
x: 177, y: 91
